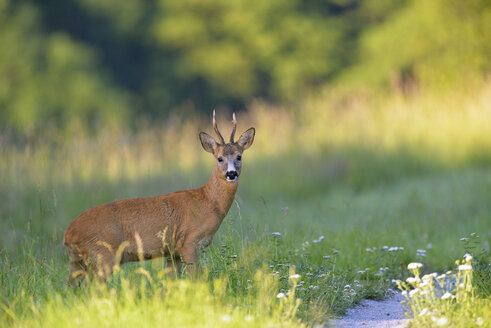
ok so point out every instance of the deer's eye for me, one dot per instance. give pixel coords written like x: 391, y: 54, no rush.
x: 239, y: 157
x: 220, y: 159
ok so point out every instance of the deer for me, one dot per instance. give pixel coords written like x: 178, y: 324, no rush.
x: 175, y: 226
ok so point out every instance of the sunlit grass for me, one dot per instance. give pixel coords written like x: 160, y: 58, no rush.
x: 446, y: 300
x: 346, y: 192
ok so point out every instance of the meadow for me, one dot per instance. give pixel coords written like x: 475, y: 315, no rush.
x: 336, y: 199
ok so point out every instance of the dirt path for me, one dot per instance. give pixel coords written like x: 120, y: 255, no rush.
x: 374, y: 314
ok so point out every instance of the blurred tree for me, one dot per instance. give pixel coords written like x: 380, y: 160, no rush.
x: 51, y: 78
x: 437, y: 44
x: 87, y: 61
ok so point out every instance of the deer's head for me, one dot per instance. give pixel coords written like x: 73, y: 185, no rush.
x: 228, y: 155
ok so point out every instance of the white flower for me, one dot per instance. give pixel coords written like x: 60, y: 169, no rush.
x: 442, y: 276
x: 413, y: 292
x: 479, y: 321
x: 447, y: 295
x: 423, y: 312
x: 414, y: 265
x: 361, y: 272
x: 326, y: 257
x: 413, y: 280
x: 396, y: 281
x: 295, y: 276
x: 468, y: 257
x: 464, y: 239
x: 464, y: 267
x: 226, y: 318
x: 276, y: 233
x: 281, y: 295
x: 385, y: 247
x: 404, y: 293
x: 369, y: 250
x: 440, y: 321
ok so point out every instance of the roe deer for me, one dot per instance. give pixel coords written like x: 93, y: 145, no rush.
x: 173, y: 225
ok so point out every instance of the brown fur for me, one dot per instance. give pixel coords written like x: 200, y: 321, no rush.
x: 175, y: 225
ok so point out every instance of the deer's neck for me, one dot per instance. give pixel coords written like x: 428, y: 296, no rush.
x: 221, y: 193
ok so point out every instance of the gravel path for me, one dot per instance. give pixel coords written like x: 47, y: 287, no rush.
x: 388, y: 313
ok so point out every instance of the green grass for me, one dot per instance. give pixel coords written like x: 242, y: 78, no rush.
x: 431, y: 212
x: 377, y: 184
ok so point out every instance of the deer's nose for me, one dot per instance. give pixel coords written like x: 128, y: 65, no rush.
x: 231, y: 175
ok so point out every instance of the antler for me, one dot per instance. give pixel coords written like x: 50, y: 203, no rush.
x: 216, y: 129
x: 234, y: 126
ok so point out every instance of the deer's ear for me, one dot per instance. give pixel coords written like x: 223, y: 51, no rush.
x: 246, y: 138
x: 209, y: 144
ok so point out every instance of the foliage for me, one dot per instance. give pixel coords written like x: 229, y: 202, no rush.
x: 51, y: 79
x: 92, y: 62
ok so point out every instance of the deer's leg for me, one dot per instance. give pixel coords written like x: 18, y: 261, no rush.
x: 101, y: 264
x: 174, y: 263
x: 190, y: 257
x: 77, y: 270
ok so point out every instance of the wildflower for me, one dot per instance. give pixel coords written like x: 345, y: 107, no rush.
x: 423, y: 312
x: 421, y: 252
x: 468, y: 257
x: 359, y: 286
x: 479, y: 321
x: 322, y: 275
x: 413, y: 280
x: 396, y: 281
x: 295, y: 276
x: 440, y: 321
x: 369, y: 250
x: 404, y: 293
x: 413, y: 292
x: 464, y: 267
x: 393, y: 249
x: 326, y: 257
x: 414, y: 265
x: 430, y: 276
x: 276, y: 233
x: 281, y: 295
x: 385, y: 247
x: 447, y: 295
x: 361, y: 272
x: 464, y: 239
x: 335, y: 251
x: 226, y: 318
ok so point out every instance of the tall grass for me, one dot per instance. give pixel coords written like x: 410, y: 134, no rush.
x: 343, y: 190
